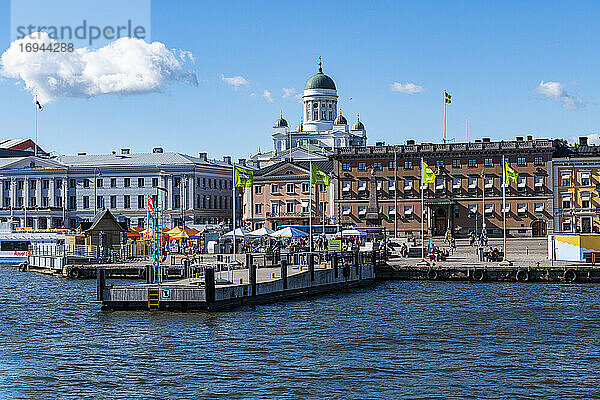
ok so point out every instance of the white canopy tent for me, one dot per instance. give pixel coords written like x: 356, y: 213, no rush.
x: 353, y: 232
x: 288, y: 232
x: 262, y: 232
x: 239, y: 232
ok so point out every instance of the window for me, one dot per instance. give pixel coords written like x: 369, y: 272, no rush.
x: 45, y: 184
x: 439, y: 184
x: 346, y: 166
x: 127, y: 182
x: 305, y: 187
x: 6, y: 185
x: 32, y: 184
x: 99, y: 182
x: 126, y: 201
x: 439, y: 163
x: 45, y: 201
x: 113, y: 202
x: 274, y: 208
x: 408, y: 184
x: 392, y: 211
x: 408, y: 164
x: 141, y: 201
x: 258, y: 189
x: 322, y: 188
x: 585, y: 200
x: 472, y: 210
x: 20, y: 201
x: 140, y: 182
x: 456, y: 163
x: 154, y: 182
x: 32, y: 202
x: 20, y: 184
x: 290, y: 188
x: 289, y: 206
x: 567, y: 225
x: 346, y: 186
x: 408, y: 211
x: 72, y: 202
x: 472, y: 163
x: 86, y: 183
x: 489, y: 209
x: 346, y: 210
x: 539, y: 182
x: 566, y: 179
x: 489, y: 182
x: 274, y: 188
x: 391, y: 165
x: 539, y: 207
x: 59, y: 183
x: 522, y: 208
x: 304, y: 205
x: 521, y: 182
x: 99, y: 202
x: 58, y: 202
x: 113, y: 182
x: 258, y: 208
x: 377, y: 166
x: 362, y: 185
x: 6, y: 202
x: 362, y: 166
x: 392, y: 185
x: 362, y: 211
x: 566, y: 202
x: 488, y: 162
x: 521, y: 161
x: 86, y: 202
x: 177, y: 201
x: 472, y: 183
x: 177, y: 182
x: 538, y: 161
x: 585, y: 179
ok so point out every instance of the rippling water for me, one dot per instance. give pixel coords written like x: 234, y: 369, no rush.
x: 395, y: 340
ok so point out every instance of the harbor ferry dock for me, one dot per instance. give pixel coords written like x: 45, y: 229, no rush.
x: 208, y: 289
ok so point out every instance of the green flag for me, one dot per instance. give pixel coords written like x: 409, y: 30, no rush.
x: 317, y: 176
x: 243, y: 177
x: 428, y: 174
x: 510, y: 174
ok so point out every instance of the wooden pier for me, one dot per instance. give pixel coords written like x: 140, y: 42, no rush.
x: 243, y: 286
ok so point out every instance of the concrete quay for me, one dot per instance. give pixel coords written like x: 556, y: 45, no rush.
x: 233, y: 288
x: 529, y: 263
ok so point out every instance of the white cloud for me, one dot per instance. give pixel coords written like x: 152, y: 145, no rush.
x: 235, y: 81
x: 408, y: 88
x: 252, y: 94
x: 556, y: 91
x: 125, y: 66
x: 287, y: 92
x: 267, y: 95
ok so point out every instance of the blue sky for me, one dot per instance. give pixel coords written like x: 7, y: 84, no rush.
x: 489, y: 55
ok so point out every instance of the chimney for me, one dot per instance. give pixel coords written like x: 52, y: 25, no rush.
x: 203, y: 156
x: 486, y: 140
x: 125, y: 151
x: 529, y: 137
x: 157, y: 150
x: 519, y: 138
x: 227, y: 159
x: 583, y: 140
x: 410, y: 142
x: 242, y: 161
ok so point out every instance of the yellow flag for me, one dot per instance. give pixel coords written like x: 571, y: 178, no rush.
x: 243, y: 177
x: 317, y: 176
x: 510, y: 174
x: 428, y: 174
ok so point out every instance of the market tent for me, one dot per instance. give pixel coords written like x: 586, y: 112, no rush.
x: 353, y: 232
x: 262, y: 232
x: 175, y: 231
x: 133, y: 234
x: 288, y: 232
x: 239, y: 232
x: 149, y: 233
x: 185, y: 234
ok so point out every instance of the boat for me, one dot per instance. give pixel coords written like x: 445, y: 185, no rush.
x: 14, y: 245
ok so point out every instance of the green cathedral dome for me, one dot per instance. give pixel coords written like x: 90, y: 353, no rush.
x: 358, y: 126
x: 320, y: 80
x: 281, y: 122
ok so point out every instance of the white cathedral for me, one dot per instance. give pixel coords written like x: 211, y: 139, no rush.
x: 321, y: 128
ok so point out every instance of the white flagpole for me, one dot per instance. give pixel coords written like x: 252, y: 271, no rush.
x: 422, y: 214
x: 35, y: 107
x: 483, y: 200
x: 310, y: 206
x: 444, y: 133
x: 504, y: 204
x: 233, y: 208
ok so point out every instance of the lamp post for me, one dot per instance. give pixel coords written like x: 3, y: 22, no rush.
x: 157, y: 238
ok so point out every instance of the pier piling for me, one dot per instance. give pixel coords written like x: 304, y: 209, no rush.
x: 284, y: 273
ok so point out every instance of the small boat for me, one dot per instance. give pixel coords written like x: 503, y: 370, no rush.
x: 14, y: 245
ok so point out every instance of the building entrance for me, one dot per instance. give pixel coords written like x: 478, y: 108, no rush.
x: 440, y: 224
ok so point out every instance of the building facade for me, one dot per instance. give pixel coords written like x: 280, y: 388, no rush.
x: 576, y: 171
x: 62, y: 192
x: 466, y: 195
x: 280, y: 195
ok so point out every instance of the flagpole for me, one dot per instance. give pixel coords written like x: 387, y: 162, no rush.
x: 444, y: 133
x: 395, y: 192
x: 504, y: 205
x: 233, y: 209
x: 483, y: 201
x: 310, y: 206
x: 422, y: 214
x: 35, y: 108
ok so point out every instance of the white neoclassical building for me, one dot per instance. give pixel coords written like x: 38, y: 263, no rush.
x: 322, y: 126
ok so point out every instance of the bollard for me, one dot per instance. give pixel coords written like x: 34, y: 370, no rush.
x: 148, y: 273
x: 100, y: 283
x: 334, y: 264
x: 311, y: 266
x: 209, y: 284
x: 356, y: 260
x: 284, y: 273
x: 251, y: 274
x: 186, y: 268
